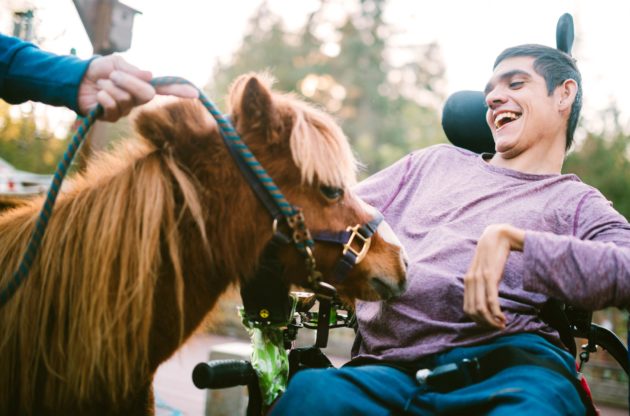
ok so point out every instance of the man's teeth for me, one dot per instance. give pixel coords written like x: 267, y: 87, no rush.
x: 509, y: 115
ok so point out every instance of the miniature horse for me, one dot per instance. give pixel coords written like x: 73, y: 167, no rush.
x: 141, y: 246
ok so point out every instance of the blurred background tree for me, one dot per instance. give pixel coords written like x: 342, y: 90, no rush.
x: 385, y: 96
x: 602, y: 160
x: 26, y: 145
x: 26, y: 139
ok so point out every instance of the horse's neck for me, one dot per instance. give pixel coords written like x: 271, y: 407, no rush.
x: 237, y: 227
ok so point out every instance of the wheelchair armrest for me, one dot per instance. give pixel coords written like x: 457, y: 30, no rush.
x: 607, y: 339
x: 572, y: 322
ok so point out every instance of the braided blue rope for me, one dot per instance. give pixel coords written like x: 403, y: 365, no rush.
x: 226, y: 129
x: 44, y: 215
x: 230, y: 133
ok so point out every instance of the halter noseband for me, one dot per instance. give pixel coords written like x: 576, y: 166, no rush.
x: 360, y: 234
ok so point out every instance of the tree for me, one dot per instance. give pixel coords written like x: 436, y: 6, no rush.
x: 24, y: 145
x: 603, y: 161
x: 347, y: 69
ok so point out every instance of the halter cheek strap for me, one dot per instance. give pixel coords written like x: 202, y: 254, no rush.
x: 255, y: 184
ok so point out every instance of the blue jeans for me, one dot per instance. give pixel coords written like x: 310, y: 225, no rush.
x: 383, y: 390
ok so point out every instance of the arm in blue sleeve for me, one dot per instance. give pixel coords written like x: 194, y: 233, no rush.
x: 28, y: 73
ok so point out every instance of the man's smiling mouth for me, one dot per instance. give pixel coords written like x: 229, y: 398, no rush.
x: 505, y: 118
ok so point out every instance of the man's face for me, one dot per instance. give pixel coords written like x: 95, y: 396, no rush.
x: 521, y: 114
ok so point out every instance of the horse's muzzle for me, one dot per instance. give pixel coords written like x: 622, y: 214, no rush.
x: 387, y: 289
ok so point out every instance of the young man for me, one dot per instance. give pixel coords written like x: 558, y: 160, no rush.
x: 480, y: 230
x: 28, y: 73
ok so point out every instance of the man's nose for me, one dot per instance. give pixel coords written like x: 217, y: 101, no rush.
x: 495, y: 97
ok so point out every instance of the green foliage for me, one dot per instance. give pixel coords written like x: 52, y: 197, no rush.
x: 603, y: 161
x: 386, y: 109
x: 25, y: 146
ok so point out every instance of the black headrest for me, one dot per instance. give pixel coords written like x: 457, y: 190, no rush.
x: 464, y: 121
x: 565, y: 33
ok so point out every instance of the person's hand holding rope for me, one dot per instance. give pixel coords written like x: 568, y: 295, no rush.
x: 119, y: 86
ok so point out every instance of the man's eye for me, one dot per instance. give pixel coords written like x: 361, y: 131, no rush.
x: 516, y: 84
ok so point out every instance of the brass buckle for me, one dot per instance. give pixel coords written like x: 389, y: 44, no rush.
x: 366, y: 241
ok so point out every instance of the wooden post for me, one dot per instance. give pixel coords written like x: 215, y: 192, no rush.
x: 109, y: 26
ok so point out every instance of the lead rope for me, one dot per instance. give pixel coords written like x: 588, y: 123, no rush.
x: 44, y: 215
x: 302, y: 239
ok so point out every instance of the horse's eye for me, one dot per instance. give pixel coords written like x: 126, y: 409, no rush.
x: 331, y: 192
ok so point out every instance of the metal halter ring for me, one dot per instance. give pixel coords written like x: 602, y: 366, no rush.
x: 366, y: 241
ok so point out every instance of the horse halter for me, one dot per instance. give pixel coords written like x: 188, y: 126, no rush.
x: 360, y: 234
x: 283, y: 212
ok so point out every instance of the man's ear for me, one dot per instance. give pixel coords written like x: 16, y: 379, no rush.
x: 567, y: 92
x: 253, y: 108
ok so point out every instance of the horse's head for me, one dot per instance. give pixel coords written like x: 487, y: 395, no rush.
x: 309, y: 158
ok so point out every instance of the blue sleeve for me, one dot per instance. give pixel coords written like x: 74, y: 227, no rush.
x: 28, y: 73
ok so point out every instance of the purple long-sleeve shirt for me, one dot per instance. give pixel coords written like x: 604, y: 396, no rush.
x: 438, y: 201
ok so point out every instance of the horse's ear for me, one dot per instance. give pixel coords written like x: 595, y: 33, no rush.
x: 253, y: 107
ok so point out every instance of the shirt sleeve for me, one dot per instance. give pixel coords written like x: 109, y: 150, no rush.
x: 590, y: 269
x: 380, y: 189
x: 28, y: 73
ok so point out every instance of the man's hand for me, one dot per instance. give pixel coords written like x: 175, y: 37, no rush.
x: 119, y: 86
x: 481, y: 282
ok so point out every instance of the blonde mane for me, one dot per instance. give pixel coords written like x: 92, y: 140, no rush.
x: 86, y: 309
x: 320, y: 148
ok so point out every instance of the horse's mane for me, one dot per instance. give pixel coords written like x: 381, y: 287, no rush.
x: 320, y: 148
x: 85, y: 312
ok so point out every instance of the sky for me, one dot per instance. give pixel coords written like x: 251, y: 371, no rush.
x: 186, y: 37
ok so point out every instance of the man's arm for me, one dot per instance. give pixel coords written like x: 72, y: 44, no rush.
x: 597, y: 273
x: 589, y: 270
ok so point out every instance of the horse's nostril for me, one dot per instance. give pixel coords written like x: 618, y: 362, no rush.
x: 405, y: 259
x: 388, y: 288
x: 382, y: 288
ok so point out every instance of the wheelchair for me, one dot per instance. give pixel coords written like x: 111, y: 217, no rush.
x: 464, y: 123
x: 571, y: 323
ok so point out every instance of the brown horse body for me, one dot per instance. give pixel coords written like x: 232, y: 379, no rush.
x: 142, y: 245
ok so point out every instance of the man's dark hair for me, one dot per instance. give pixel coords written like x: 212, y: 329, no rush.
x: 555, y: 67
